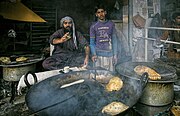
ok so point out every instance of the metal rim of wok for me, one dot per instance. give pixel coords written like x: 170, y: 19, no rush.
x: 168, y: 73
x: 48, y: 86
x: 169, y: 61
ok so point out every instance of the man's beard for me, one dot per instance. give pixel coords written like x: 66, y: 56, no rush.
x: 68, y: 29
x: 177, y: 23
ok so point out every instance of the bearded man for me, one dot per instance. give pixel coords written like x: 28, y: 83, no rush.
x: 70, y: 47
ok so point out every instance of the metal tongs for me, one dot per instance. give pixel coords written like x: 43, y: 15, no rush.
x: 95, y: 68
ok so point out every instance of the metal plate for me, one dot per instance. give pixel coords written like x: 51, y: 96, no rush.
x: 31, y: 60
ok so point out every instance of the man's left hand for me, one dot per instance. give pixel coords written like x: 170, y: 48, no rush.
x: 86, y: 60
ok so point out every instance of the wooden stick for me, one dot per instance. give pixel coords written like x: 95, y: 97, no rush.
x: 73, y: 83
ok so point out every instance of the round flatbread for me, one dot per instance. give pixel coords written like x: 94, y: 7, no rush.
x: 21, y: 59
x: 115, y: 84
x: 5, y: 60
x: 114, y: 108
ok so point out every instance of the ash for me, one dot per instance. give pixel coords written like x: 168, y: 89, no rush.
x: 18, y: 108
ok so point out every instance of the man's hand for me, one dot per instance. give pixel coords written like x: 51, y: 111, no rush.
x: 94, y: 58
x: 86, y: 60
x: 65, y: 37
x: 62, y: 39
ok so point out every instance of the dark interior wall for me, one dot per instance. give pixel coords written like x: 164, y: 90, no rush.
x: 82, y: 11
x: 168, y: 7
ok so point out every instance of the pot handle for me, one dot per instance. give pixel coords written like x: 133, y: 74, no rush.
x: 144, y: 79
x: 26, y: 80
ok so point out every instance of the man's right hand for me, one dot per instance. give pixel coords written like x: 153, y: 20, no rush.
x: 62, y: 39
x: 65, y: 37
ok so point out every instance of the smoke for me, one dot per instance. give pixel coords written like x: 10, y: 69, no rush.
x: 124, y: 52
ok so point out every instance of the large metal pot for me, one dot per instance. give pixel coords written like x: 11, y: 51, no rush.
x: 156, y: 93
x: 13, y: 71
x: 149, y: 110
x: 86, y: 98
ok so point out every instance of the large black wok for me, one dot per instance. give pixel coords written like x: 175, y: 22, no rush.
x: 47, y: 98
x: 168, y: 73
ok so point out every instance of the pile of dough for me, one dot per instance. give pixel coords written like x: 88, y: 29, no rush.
x: 20, y: 59
x: 114, y: 108
x: 153, y: 75
x: 5, y: 60
x: 115, y: 84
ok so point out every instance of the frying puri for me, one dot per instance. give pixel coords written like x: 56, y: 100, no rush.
x: 115, y: 84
